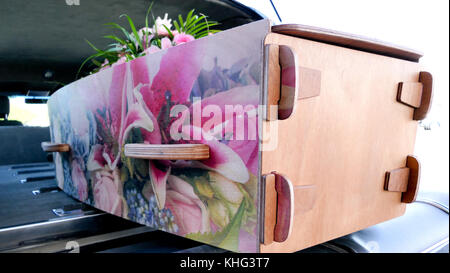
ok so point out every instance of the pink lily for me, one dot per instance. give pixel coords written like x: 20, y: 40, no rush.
x: 174, y: 83
x: 126, y: 111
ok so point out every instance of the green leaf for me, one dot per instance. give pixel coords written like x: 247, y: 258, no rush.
x: 97, y: 63
x: 146, y: 24
x: 205, y: 33
x: 180, y: 19
x: 202, y: 26
x: 228, y: 237
x: 231, y: 240
x: 133, y: 28
x: 115, y: 38
x: 177, y: 26
x: 170, y: 32
x: 194, y: 23
x: 146, y: 15
x: 124, y: 31
x: 189, y: 18
x: 86, y: 60
x: 90, y: 44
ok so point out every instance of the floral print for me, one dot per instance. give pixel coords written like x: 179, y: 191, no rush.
x: 215, y: 200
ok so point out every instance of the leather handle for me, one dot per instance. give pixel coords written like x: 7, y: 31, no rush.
x: 285, y: 208
x: 167, y: 151
x: 278, y: 208
x: 282, y: 82
x: 427, y: 96
x: 55, y: 147
x: 287, y: 82
x: 413, y: 181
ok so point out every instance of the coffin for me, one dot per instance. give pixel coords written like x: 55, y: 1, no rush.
x: 255, y: 139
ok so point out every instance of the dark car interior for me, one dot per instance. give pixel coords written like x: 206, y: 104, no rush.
x: 42, y: 47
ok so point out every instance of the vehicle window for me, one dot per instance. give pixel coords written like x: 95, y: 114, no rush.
x: 30, y: 114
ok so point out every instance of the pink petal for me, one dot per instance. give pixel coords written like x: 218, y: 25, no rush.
x: 135, y: 118
x: 179, y: 68
x: 117, y: 98
x: 247, y: 147
x: 158, y: 178
x: 186, y: 213
x: 96, y: 160
x: 165, y: 43
x: 222, y: 158
x: 190, y: 212
x: 182, y: 38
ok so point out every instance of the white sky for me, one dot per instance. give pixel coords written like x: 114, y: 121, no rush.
x: 422, y: 25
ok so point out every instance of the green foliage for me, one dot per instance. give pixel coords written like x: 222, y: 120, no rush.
x: 228, y: 237
x: 196, y: 25
x: 130, y: 45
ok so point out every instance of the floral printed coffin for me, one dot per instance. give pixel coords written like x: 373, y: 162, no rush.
x: 249, y: 140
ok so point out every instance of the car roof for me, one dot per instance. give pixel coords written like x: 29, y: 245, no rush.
x: 48, y: 35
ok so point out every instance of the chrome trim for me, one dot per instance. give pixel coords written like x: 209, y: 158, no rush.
x: 61, y: 246
x: 61, y: 212
x: 50, y: 222
x: 436, y: 247
x: 433, y: 203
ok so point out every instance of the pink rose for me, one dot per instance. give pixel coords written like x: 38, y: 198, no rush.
x: 182, y: 38
x: 105, y: 65
x: 165, y: 43
x: 121, y: 60
x: 151, y: 49
x: 106, y: 191
x: 191, y: 215
x: 79, y: 179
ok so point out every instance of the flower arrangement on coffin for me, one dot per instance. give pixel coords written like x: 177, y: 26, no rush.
x: 162, y: 35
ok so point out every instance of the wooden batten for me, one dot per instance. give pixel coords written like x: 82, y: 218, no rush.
x: 410, y: 93
x: 405, y: 180
x: 397, y: 180
x: 417, y: 95
x: 167, y: 151
x: 55, y: 147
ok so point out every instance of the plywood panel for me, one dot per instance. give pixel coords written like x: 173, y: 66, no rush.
x: 344, y: 141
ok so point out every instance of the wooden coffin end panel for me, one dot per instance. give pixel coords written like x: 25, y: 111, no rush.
x: 343, y: 141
